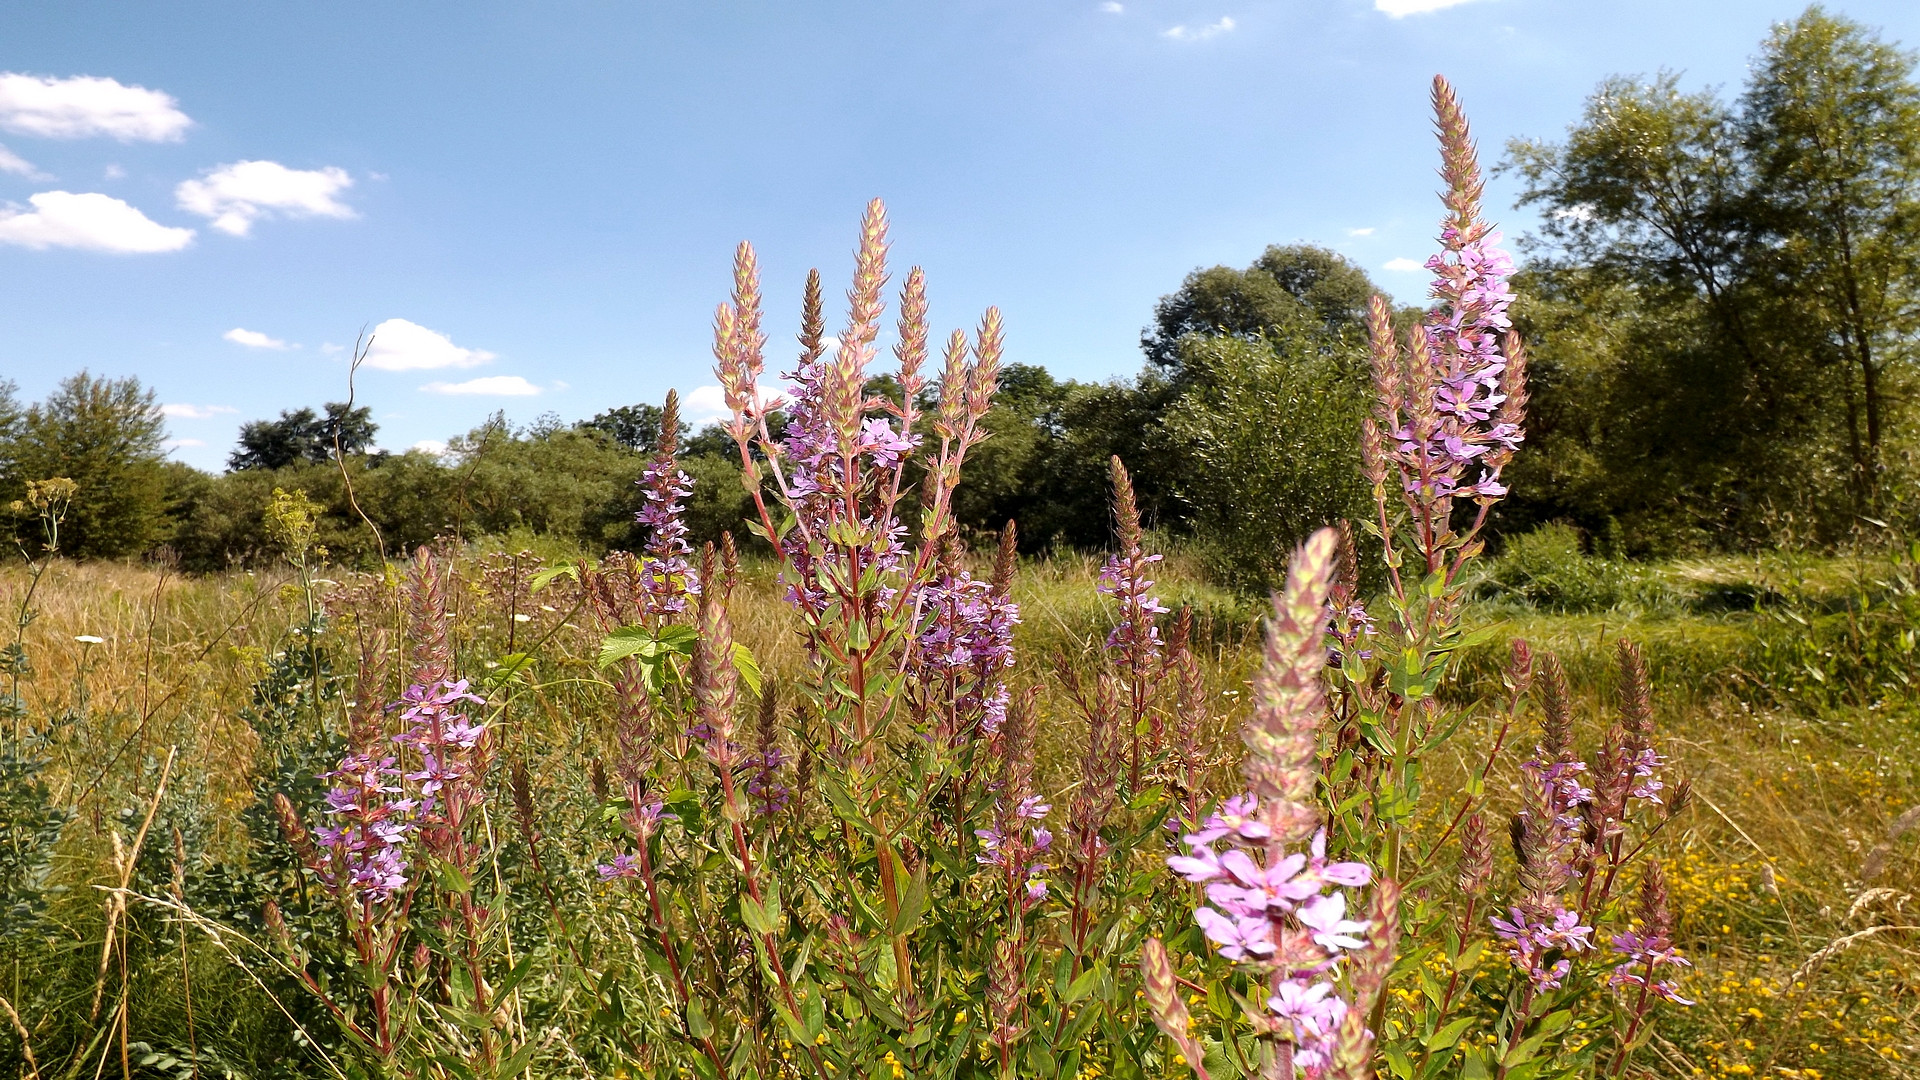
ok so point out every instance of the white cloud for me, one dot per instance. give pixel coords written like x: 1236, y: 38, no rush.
x: 493, y: 385
x: 1402, y: 265
x: 1578, y: 212
x: 1368, y: 231
x: 87, y: 105
x: 705, y: 404
x: 114, y: 172
x: 91, y: 222
x: 1112, y: 7
x: 237, y: 195
x: 399, y: 345
x: 194, y: 412
x: 178, y: 443
x: 253, y: 339
x: 1400, y: 9
x: 432, y: 446
x: 1199, y: 33
x: 13, y: 163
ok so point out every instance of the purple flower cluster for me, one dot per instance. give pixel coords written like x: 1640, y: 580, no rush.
x: 1443, y: 438
x: 377, y: 806
x: 666, y: 577
x: 822, y: 474
x: 1016, y: 844
x: 769, y: 795
x: 445, y: 740
x: 1538, y: 946
x: 1648, y: 952
x: 1284, y: 915
x: 1125, y: 580
x: 1350, y: 627
x: 967, y: 641
x: 643, y: 818
x: 369, y: 839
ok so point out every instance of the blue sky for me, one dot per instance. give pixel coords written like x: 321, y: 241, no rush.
x: 539, y: 201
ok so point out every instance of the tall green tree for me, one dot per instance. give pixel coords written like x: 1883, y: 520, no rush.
x: 105, y: 434
x: 1287, y: 284
x: 301, y: 435
x: 1830, y: 124
x: 1755, y: 262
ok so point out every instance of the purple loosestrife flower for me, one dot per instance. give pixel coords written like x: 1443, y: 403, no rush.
x: 1014, y: 846
x: 447, y: 742
x: 1647, y: 953
x: 1280, y: 911
x: 623, y: 867
x: 369, y: 837
x: 965, y: 645
x: 1449, y: 404
x: 1125, y: 580
x: 768, y: 794
x: 1530, y: 943
x: 666, y: 579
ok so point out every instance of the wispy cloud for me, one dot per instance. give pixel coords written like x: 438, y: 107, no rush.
x: 253, y: 339
x: 400, y: 345
x: 237, y: 195
x: 490, y: 385
x: 1113, y: 7
x: 1401, y: 266
x: 436, y: 447
x: 1368, y: 231
x: 179, y: 443
x: 195, y: 412
x: 1184, y: 32
x: 84, y: 106
x: 11, y: 162
x: 1400, y: 9
x: 705, y: 404
x: 89, y: 222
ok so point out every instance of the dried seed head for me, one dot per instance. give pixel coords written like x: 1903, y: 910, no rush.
x: 521, y: 787
x: 1556, y: 701
x: 1164, y: 1004
x: 1283, y: 735
x: 1126, y: 512
x: 1459, y: 165
x: 911, y: 349
x: 1656, y: 913
x: 813, y: 322
x: 1636, y: 698
x: 1476, y: 856
x: 1353, y: 1044
x: 277, y: 928
x: 1006, y: 992
x: 427, y: 608
x: 294, y: 830
x: 1006, y: 560
x: 1520, y: 668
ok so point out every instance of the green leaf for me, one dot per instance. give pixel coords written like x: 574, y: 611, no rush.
x: 1448, y: 1036
x: 551, y: 574
x: 510, y: 667
x: 747, y: 666
x: 697, y: 1023
x: 755, y: 916
x: 516, y: 1064
x: 913, y: 906
x: 1084, y: 985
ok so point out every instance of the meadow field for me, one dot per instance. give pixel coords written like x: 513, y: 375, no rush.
x: 142, y: 850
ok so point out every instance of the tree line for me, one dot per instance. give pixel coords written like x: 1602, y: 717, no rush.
x: 1722, y: 300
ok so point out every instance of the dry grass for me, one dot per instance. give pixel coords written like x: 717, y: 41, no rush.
x: 1795, y: 874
